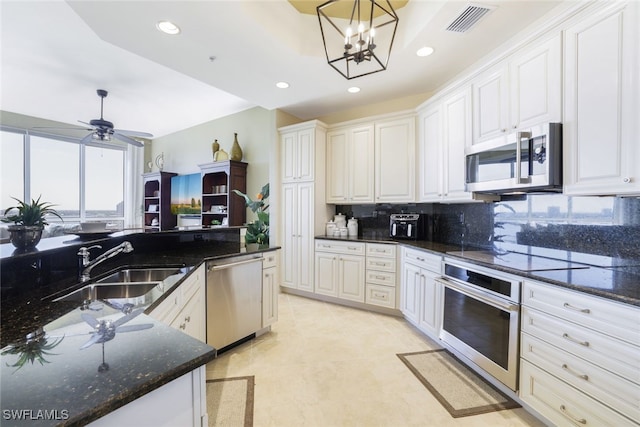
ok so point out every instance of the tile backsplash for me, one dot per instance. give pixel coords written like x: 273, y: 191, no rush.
x: 607, y: 226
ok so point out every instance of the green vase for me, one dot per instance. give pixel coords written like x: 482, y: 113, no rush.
x: 236, y: 151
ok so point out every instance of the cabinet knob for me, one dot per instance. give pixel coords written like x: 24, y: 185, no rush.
x: 187, y: 319
x: 183, y: 326
x: 627, y: 180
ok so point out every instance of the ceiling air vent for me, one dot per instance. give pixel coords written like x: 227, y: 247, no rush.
x: 469, y: 17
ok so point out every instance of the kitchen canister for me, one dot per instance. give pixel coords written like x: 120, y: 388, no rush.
x: 344, y: 232
x: 352, y: 227
x: 340, y: 220
x: 330, y: 228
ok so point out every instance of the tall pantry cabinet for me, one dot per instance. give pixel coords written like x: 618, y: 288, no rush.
x: 304, y: 212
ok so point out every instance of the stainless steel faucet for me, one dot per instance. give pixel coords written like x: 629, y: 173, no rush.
x: 88, y: 265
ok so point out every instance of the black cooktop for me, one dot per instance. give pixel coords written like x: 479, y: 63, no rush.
x: 518, y: 261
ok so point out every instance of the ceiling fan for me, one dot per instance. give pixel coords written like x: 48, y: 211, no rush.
x: 102, y: 130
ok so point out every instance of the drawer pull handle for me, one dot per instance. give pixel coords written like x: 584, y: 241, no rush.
x: 380, y: 263
x: 571, y: 371
x: 581, y: 310
x: 568, y: 414
x: 381, y: 277
x: 351, y: 248
x: 567, y: 336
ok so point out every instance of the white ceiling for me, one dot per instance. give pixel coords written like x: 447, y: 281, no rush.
x: 55, y: 54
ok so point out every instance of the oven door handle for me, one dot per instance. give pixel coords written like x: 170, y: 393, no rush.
x: 480, y: 296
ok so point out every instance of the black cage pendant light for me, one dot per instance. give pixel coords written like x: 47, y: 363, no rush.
x: 357, y: 35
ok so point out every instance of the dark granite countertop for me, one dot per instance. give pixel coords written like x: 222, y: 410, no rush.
x: 610, y: 278
x: 68, y: 380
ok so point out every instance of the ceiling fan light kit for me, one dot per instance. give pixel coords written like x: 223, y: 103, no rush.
x: 357, y: 43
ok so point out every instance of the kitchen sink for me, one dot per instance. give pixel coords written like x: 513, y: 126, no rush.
x: 140, y: 275
x: 98, y: 291
x: 128, y: 284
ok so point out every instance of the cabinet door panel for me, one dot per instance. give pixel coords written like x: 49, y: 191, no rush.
x: 351, y: 280
x: 457, y: 135
x: 289, y: 155
x: 395, y: 160
x: 336, y: 168
x: 536, y: 76
x: 410, y: 296
x: 430, y: 155
x: 270, y: 290
x: 430, y: 303
x: 601, y: 98
x: 490, y: 103
x: 306, y: 155
x: 326, y: 274
x: 304, y: 214
x: 290, y: 240
x: 361, y: 165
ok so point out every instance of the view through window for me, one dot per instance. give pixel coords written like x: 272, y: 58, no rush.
x: 84, y: 182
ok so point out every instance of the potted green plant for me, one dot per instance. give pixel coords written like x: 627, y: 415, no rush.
x: 28, y: 222
x: 258, y: 230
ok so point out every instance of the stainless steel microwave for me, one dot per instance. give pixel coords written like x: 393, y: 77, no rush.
x: 525, y: 161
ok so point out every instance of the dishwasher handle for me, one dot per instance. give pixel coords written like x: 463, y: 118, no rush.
x: 232, y: 264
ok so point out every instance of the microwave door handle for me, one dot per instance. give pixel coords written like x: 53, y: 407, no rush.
x: 409, y: 231
x: 519, y: 178
x: 393, y: 229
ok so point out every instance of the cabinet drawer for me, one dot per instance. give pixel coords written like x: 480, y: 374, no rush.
x: 270, y: 259
x: 423, y: 259
x: 611, y: 354
x: 610, y: 317
x: 381, y: 278
x: 168, y: 309
x: 561, y: 403
x: 619, y: 393
x: 382, y: 296
x: 381, y: 264
x: 338, y: 247
x: 381, y: 250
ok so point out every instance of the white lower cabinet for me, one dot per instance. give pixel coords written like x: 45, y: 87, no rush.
x: 357, y: 272
x: 184, y: 308
x: 270, y: 288
x: 421, y: 301
x: 181, y: 402
x: 340, y: 269
x: 579, y: 357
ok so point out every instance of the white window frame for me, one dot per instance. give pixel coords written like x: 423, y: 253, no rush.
x: 133, y: 167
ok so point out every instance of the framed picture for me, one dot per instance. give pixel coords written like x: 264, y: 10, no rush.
x: 153, y: 208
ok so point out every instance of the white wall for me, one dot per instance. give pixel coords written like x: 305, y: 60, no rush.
x: 185, y: 150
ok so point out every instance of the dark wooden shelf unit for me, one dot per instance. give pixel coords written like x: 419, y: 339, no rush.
x: 220, y: 205
x: 157, y: 201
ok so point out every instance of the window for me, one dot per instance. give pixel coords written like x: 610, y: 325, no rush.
x: 84, y: 182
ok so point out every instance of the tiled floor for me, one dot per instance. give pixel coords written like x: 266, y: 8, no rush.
x: 328, y: 365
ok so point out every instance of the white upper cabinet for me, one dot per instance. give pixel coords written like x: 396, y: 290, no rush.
x: 456, y: 139
x: 430, y: 164
x: 395, y: 160
x: 372, y: 161
x: 298, y: 146
x: 490, y: 104
x: 444, y: 135
x: 535, y: 75
x: 350, y: 168
x: 519, y: 92
x: 601, y: 89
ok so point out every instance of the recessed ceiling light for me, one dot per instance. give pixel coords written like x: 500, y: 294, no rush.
x: 424, y: 51
x: 282, y: 85
x: 168, y: 27
x: 354, y: 89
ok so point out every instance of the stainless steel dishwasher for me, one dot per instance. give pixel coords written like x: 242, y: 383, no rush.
x: 234, y: 299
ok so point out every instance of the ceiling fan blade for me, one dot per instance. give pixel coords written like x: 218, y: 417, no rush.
x: 133, y: 133
x: 131, y: 328
x: 127, y: 139
x: 124, y: 319
x: 90, y: 320
x: 58, y: 128
x: 87, y: 138
x: 88, y: 124
x: 94, y: 339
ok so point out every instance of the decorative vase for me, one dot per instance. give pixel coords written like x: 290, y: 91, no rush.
x: 25, y: 236
x: 215, y: 147
x: 236, y: 151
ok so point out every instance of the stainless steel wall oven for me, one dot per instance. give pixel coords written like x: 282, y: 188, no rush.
x: 481, y: 319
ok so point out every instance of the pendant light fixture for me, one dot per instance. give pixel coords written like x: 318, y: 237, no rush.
x: 357, y: 35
